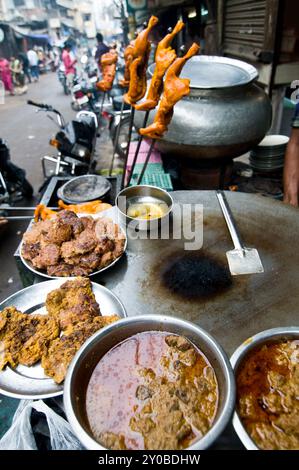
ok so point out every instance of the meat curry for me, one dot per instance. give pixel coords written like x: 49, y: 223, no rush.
x: 267, y: 395
x: 155, y: 390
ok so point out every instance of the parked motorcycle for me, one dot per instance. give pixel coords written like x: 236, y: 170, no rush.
x: 74, y: 143
x: 13, y: 183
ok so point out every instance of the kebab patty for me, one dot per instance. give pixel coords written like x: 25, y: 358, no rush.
x: 24, y: 337
x: 70, y: 246
x: 57, y: 358
x: 72, y: 303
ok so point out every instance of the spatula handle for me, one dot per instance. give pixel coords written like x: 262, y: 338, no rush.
x: 234, y: 233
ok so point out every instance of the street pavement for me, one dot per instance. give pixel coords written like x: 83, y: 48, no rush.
x: 28, y: 132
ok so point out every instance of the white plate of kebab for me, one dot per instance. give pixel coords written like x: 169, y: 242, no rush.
x: 66, y: 244
x: 41, y: 329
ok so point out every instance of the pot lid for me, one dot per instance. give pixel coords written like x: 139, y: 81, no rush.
x: 216, y: 72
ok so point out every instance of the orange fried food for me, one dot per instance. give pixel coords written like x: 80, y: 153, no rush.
x: 24, y: 337
x: 164, y: 57
x: 142, y: 47
x: 92, y: 207
x: 174, y: 89
x: 128, y: 56
x: 42, y: 213
x: 108, y: 67
x: 57, y: 358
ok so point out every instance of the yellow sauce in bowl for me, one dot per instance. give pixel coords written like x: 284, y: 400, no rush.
x: 147, y: 210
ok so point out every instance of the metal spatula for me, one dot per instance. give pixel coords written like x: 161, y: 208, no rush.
x: 241, y: 260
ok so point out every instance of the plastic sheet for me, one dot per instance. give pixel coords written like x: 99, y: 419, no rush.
x: 20, y: 436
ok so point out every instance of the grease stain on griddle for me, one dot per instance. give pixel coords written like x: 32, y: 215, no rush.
x: 195, y: 276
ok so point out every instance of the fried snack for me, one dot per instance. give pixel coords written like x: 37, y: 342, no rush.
x: 175, y: 88
x: 164, y: 57
x: 128, y: 56
x: 142, y: 47
x: 92, y: 207
x: 72, y: 303
x: 24, y: 337
x: 108, y: 68
x: 57, y: 358
x: 42, y: 213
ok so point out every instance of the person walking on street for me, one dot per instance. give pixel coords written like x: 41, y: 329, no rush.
x: 102, y: 48
x: 33, y: 62
x: 69, y: 64
x: 5, y: 75
x: 25, y: 63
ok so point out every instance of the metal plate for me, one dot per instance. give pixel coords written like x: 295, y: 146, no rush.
x: 31, y: 382
x: 108, y: 213
x: 83, y: 189
x: 253, y: 302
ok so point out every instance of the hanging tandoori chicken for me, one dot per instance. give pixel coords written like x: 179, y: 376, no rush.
x: 108, y: 67
x: 128, y: 56
x: 164, y: 57
x: 175, y: 88
x: 142, y: 47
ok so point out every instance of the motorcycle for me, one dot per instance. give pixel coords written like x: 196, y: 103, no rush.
x: 13, y: 183
x: 74, y: 142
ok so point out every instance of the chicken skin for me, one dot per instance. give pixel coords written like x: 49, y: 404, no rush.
x: 164, y: 57
x: 108, y: 67
x: 142, y: 47
x: 128, y: 56
x: 175, y: 88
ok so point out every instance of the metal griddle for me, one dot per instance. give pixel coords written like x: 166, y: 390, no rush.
x: 253, y: 302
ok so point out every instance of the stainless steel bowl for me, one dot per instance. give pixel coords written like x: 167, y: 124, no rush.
x: 267, y: 336
x: 91, y: 352
x: 145, y: 194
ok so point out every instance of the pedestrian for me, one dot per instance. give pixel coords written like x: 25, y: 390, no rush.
x: 26, y: 66
x: 17, y: 72
x: 69, y: 64
x: 5, y: 75
x: 102, y: 48
x: 33, y: 62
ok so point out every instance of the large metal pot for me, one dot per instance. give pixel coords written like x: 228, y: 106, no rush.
x: 225, y: 115
x: 91, y: 352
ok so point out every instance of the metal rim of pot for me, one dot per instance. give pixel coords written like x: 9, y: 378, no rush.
x: 250, y: 70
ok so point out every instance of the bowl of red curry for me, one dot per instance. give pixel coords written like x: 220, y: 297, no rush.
x: 150, y: 383
x: 266, y: 370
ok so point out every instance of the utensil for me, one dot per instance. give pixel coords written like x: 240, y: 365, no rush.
x: 84, y: 189
x: 142, y: 194
x: 140, y: 139
x: 116, y: 138
x: 19, y: 217
x: 128, y: 145
x: 10, y: 208
x: 267, y: 336
x: 88, y: 356
x: 31, y: 382
x: 241, y: 260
